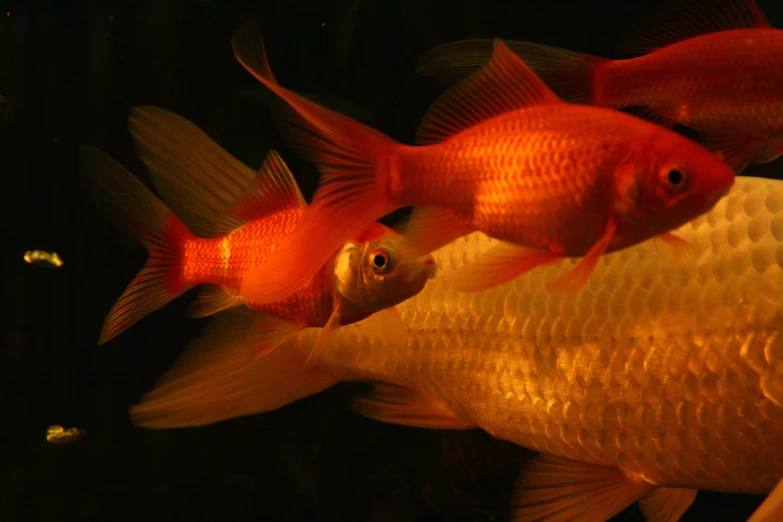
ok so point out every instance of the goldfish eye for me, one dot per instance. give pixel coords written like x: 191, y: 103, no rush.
x: 675, y: 179
x: 381, y: 260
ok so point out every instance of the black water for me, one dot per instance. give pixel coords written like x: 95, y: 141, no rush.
x: 70, y: 72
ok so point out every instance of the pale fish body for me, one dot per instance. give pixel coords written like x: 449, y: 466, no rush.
x: 660, y: 377
x: 671, y: 371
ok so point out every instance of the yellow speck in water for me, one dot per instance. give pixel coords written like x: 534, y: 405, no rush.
x: 58, y: 435
x: 44, y: 259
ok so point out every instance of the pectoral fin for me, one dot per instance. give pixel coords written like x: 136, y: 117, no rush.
x: 324, y: 338
x: 387, y: 327
x: 771, y: 510
x: 271, y: 332
x: 553, y: 488
x: 401, y: 405
x: 577, y: 278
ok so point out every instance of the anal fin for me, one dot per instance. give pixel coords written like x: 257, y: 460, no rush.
x: 430, y: 228
x: 400, y: 405
x: 501, y: 263
x: 211, y: 300
x: 554, y: 488
x: 667, y: 504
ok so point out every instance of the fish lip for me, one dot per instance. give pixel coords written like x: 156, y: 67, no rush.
x: 428, y: 267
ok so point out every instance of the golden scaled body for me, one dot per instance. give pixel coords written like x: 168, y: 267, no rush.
x: 670, y: 370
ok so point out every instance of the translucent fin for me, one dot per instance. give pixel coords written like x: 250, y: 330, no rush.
x: 682, y: 250
x: 197, y: 178
x: 134, y: 208
x: 503, y: 85
x: 666, y: 504
x: 569, y: 74
x: 352, y: 191
x: 577, y: 278
x: 272, y: 331
x: 430, y: 228
x: 387, y: 326
x: 501, y: 263
x: 684, y: 20
x: 211, y: 300
x: 771, y: 510
x: 216, y: 378
x: 399, y: 405
x: 273, y: 190
x: 736, y: 149
x: 553, y: 489
x: 325, y: 337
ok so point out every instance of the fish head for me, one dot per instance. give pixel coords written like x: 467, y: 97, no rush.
x: 371, y: 272
x: 667, y: 180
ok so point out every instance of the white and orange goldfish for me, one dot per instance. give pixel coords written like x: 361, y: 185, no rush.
x: 655, y: 380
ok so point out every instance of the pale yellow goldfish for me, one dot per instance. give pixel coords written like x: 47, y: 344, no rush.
x: 660, y: 377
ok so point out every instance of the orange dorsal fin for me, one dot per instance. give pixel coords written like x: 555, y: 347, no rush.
x: 503, y: 85
x: 273, y: 190
x: 692, y: 18
x: 198, y: 179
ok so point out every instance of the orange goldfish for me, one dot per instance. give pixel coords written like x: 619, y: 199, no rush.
x: 363, y: 277
x: 655, y: 380
x: 712, y: 65
x: 504, y: 156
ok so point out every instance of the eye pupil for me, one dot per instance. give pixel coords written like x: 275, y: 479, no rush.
x: 379, y: 260
x: 675, y: 177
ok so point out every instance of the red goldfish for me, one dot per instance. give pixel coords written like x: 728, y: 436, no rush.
x: 713, y: 66
x: 504, y: 156
x: 361, y: 278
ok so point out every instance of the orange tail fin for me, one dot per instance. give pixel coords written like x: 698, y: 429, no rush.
x: 352, y: 159
x: 141, y: 214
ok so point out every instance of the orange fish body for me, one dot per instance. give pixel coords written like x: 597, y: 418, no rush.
x: 499, y: 153
x: 225, y: 261
x: 723, y: 81
x: 232, y: 220
x: 544, y: 177
x: 711, y: 65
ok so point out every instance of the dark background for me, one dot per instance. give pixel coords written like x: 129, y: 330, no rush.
x: 70, y: 72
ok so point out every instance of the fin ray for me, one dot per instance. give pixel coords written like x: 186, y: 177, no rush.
x: 133, y: 207
x: 682, y: 21
x: 216, y: 378
x: 196, y: 177
x: 351, y: 193
x: 400, y: 405
x: 504, y: 84
x: 554, y: 488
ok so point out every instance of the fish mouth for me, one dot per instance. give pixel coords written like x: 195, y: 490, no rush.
x: 427, y: 266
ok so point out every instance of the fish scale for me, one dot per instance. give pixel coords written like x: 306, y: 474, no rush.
x: 676, y: 379
x: 250, y: 246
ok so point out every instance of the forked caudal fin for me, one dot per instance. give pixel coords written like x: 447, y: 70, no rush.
x: 141, y: 214
x: 353, y: 161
